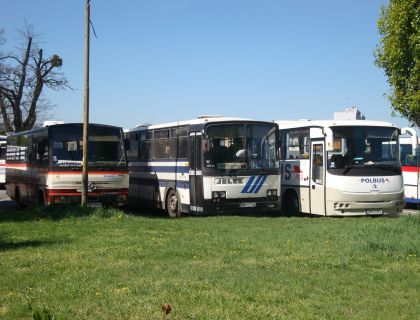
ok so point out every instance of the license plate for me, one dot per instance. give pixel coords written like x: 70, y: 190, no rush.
x: 95, y: 204
x: 373, y: 212
x: 247, y: 205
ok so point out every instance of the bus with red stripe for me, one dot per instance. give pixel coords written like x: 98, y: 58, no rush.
x: 44, y: 165
x: 410, y: 160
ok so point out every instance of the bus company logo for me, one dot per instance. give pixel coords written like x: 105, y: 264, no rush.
x: 287, y: 170
x: 229, y: 181
x: 254, y: 184
x: 374, y: 180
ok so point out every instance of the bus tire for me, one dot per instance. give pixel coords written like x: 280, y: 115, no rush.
x: 291, y: 203
x: 172, y: 204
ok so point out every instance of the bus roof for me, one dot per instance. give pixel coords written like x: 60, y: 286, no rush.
x: 65, y: 124
x: 332, y: 123
x: 201, y: 120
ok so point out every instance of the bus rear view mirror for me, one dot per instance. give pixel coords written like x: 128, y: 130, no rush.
x: 329, y: 139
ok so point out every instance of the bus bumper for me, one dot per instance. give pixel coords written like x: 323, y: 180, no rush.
x: 359, y: 208
x: 241, y: 205
x: 94, y: 199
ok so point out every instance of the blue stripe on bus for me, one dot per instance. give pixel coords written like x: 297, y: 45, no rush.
x: 248, y: 184
x: 256, y: 184
x: 260, y: 184
x: 179, y: 184
x: 161, y: 183
x: 163, y: 169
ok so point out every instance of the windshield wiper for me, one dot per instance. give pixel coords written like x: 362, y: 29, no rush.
x: 350, y: 166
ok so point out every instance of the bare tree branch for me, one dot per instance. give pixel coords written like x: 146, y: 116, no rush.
x: 23, y: 76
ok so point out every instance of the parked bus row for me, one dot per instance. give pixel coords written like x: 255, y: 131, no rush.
x: 215, y: 164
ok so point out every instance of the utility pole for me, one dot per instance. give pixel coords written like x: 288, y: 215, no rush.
x: 85, y: 178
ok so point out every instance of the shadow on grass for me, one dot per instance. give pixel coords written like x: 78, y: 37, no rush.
x: 8, y: 246
x: 161, y: 214
x: 56, y: 212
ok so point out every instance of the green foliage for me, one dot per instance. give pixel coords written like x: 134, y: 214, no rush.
x: 56, y: 61
x: 40, y: 314
x: 399, y: 55
x: 44, y: 314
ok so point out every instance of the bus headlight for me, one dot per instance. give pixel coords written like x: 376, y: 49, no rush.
x: 218, y: 195
x: 272, y: 194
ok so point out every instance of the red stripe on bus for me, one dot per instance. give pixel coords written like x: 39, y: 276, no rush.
x: 16, y: 165
x: 410, y: 169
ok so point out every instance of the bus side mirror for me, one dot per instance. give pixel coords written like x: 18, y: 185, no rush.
x: 127, y: 145
x: 329, y: 139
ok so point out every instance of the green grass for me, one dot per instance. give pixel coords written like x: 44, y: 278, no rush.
x: 105, y: 264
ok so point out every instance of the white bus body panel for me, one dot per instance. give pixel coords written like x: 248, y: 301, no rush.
x: 358, y: 195
x: 236, y: 187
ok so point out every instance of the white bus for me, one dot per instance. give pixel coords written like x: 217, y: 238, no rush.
x: 3, y: 142
x: 208, y: 165
x: 410, y: 160
x: 340, y: 168
x: 44, y: 165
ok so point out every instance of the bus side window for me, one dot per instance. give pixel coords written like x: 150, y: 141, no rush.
x: 297, y: 144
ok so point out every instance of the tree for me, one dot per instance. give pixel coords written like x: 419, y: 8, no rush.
x: 23, y: 76
x: 399, y: 55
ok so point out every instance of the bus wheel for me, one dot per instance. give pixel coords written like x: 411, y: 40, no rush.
x: 172, y: 204
x: 291, y: 203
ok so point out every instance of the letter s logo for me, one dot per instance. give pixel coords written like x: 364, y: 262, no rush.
x: 288, y: 172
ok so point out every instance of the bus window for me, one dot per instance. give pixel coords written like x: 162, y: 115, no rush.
x: 317, y: 164
x: 297, y: 144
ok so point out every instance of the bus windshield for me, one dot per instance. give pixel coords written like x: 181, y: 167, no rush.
x: 363, y: 147
x: 105, y: 148
x: 240, y: 147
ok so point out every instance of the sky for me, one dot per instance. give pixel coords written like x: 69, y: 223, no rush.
x: 159, y: 61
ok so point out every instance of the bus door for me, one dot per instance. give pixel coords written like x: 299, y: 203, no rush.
x: 317, y: 182
x: 196, y: 175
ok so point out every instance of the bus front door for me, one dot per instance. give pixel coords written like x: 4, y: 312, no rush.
x: 196, y: 175
x: 317, y: 183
